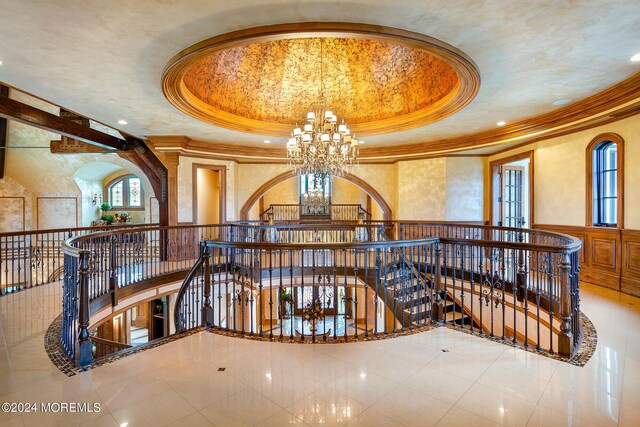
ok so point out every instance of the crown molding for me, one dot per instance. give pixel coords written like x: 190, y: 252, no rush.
x: 615, y: 103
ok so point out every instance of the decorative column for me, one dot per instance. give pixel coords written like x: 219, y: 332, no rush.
x: 207, y: 309
x: 113, y: 269
x: 437, y: 306
x: 171, y: 161
x: 521, y: 275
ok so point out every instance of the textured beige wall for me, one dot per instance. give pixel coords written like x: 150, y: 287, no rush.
x: 250, y: 177
x: 465, y: 188
x: 345, y: 192
x: 89, y: 211
x: 559, y: 174
x: 284, y: 193
x: 48, y: 181
x: 383, y: 179
x: 422, y: 189
x: 57, y: 212
x: 15, y: 206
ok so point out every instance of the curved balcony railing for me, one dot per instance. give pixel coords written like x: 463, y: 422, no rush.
x: 294, y: 212
x: 33, y: 258
x: 102, y: 268
x: 514, y: 285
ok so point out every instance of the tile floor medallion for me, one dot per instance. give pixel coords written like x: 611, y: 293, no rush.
x: 438, y: 377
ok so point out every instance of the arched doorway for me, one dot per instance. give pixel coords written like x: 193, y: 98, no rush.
x: 372, y: 192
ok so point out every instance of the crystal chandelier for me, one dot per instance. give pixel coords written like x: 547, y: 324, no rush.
x: 322, y: 146
x: 315, y: 202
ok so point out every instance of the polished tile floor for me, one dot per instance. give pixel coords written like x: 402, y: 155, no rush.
x: 440, y: 377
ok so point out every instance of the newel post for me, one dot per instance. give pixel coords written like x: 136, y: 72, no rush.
x: 565, y: 336
x: 113, y: 270
x: 84, y: 349
x: 437, y: 306
x: 521, y: 276
x: 207, y: 309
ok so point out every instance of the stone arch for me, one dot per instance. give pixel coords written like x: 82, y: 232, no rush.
x: 375, y: 195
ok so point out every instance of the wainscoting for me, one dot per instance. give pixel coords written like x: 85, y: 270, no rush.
x: 609, y: 257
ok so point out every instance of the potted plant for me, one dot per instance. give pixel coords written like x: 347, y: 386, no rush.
x: 286, y: 301
x: 107, y: 219
x: 105, y: 207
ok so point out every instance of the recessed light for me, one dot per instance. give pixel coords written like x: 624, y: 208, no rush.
x: 562, y: 102
x: 266, y: 141
x: 501, y: 123
x: 363, y: 375
x: 122, y: 122
x: 361, y: 142
x: 634, y: 58
x: 533, y: 101
x: 0, y: 62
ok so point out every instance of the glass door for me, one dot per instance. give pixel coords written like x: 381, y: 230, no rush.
x: 512, y: 205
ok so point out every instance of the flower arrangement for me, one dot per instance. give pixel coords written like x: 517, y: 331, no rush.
x: 122, y: 216
x: 313, y: 312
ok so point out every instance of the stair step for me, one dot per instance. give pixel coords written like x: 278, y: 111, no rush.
x: 455, y: 316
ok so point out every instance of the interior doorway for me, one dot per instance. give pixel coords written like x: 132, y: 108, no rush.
x: 512, y: 191
x: 209, y: 194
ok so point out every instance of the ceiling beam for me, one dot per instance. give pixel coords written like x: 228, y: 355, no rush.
x: 75, y: 131
x: 68, y: 145
x: 23, y: 113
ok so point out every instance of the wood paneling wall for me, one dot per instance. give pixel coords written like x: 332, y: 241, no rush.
x: 630, y: 280
x: 609, y: 257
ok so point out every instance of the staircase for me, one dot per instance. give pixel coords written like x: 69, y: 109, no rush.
x: 454, y: 313
x: 410, y: 298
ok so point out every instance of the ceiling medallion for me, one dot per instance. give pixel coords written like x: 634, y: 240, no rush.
x: 378, y: 79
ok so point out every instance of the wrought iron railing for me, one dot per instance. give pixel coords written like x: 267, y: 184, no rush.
x: 240, y: 288
x: 510, y: 284
x: 515, y: 285
x: 496, y: 276
x: 103, y: 267
x: 105, y: 347
x: 32, y: 258
x: 294, y: 212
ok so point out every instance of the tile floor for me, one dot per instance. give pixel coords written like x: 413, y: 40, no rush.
x: 402, y: 381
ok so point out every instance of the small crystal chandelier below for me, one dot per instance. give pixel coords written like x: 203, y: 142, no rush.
x: 315, y: 202
x: 322, y: 146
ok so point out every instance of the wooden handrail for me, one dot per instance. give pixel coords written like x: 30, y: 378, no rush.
x: 74, y: 229
x: 120, y: 345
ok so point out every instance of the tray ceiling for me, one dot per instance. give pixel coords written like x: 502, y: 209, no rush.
x: 105, y: 59
x: 265, y: 80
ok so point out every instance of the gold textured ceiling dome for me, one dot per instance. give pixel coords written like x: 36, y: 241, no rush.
x: 263, y: 80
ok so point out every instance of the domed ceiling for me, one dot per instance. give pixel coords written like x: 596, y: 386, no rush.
x: 106, y: 60
x: 377, y: 79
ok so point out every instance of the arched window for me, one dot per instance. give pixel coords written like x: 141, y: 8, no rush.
x: 126, y: 192
x: 605, y: 181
